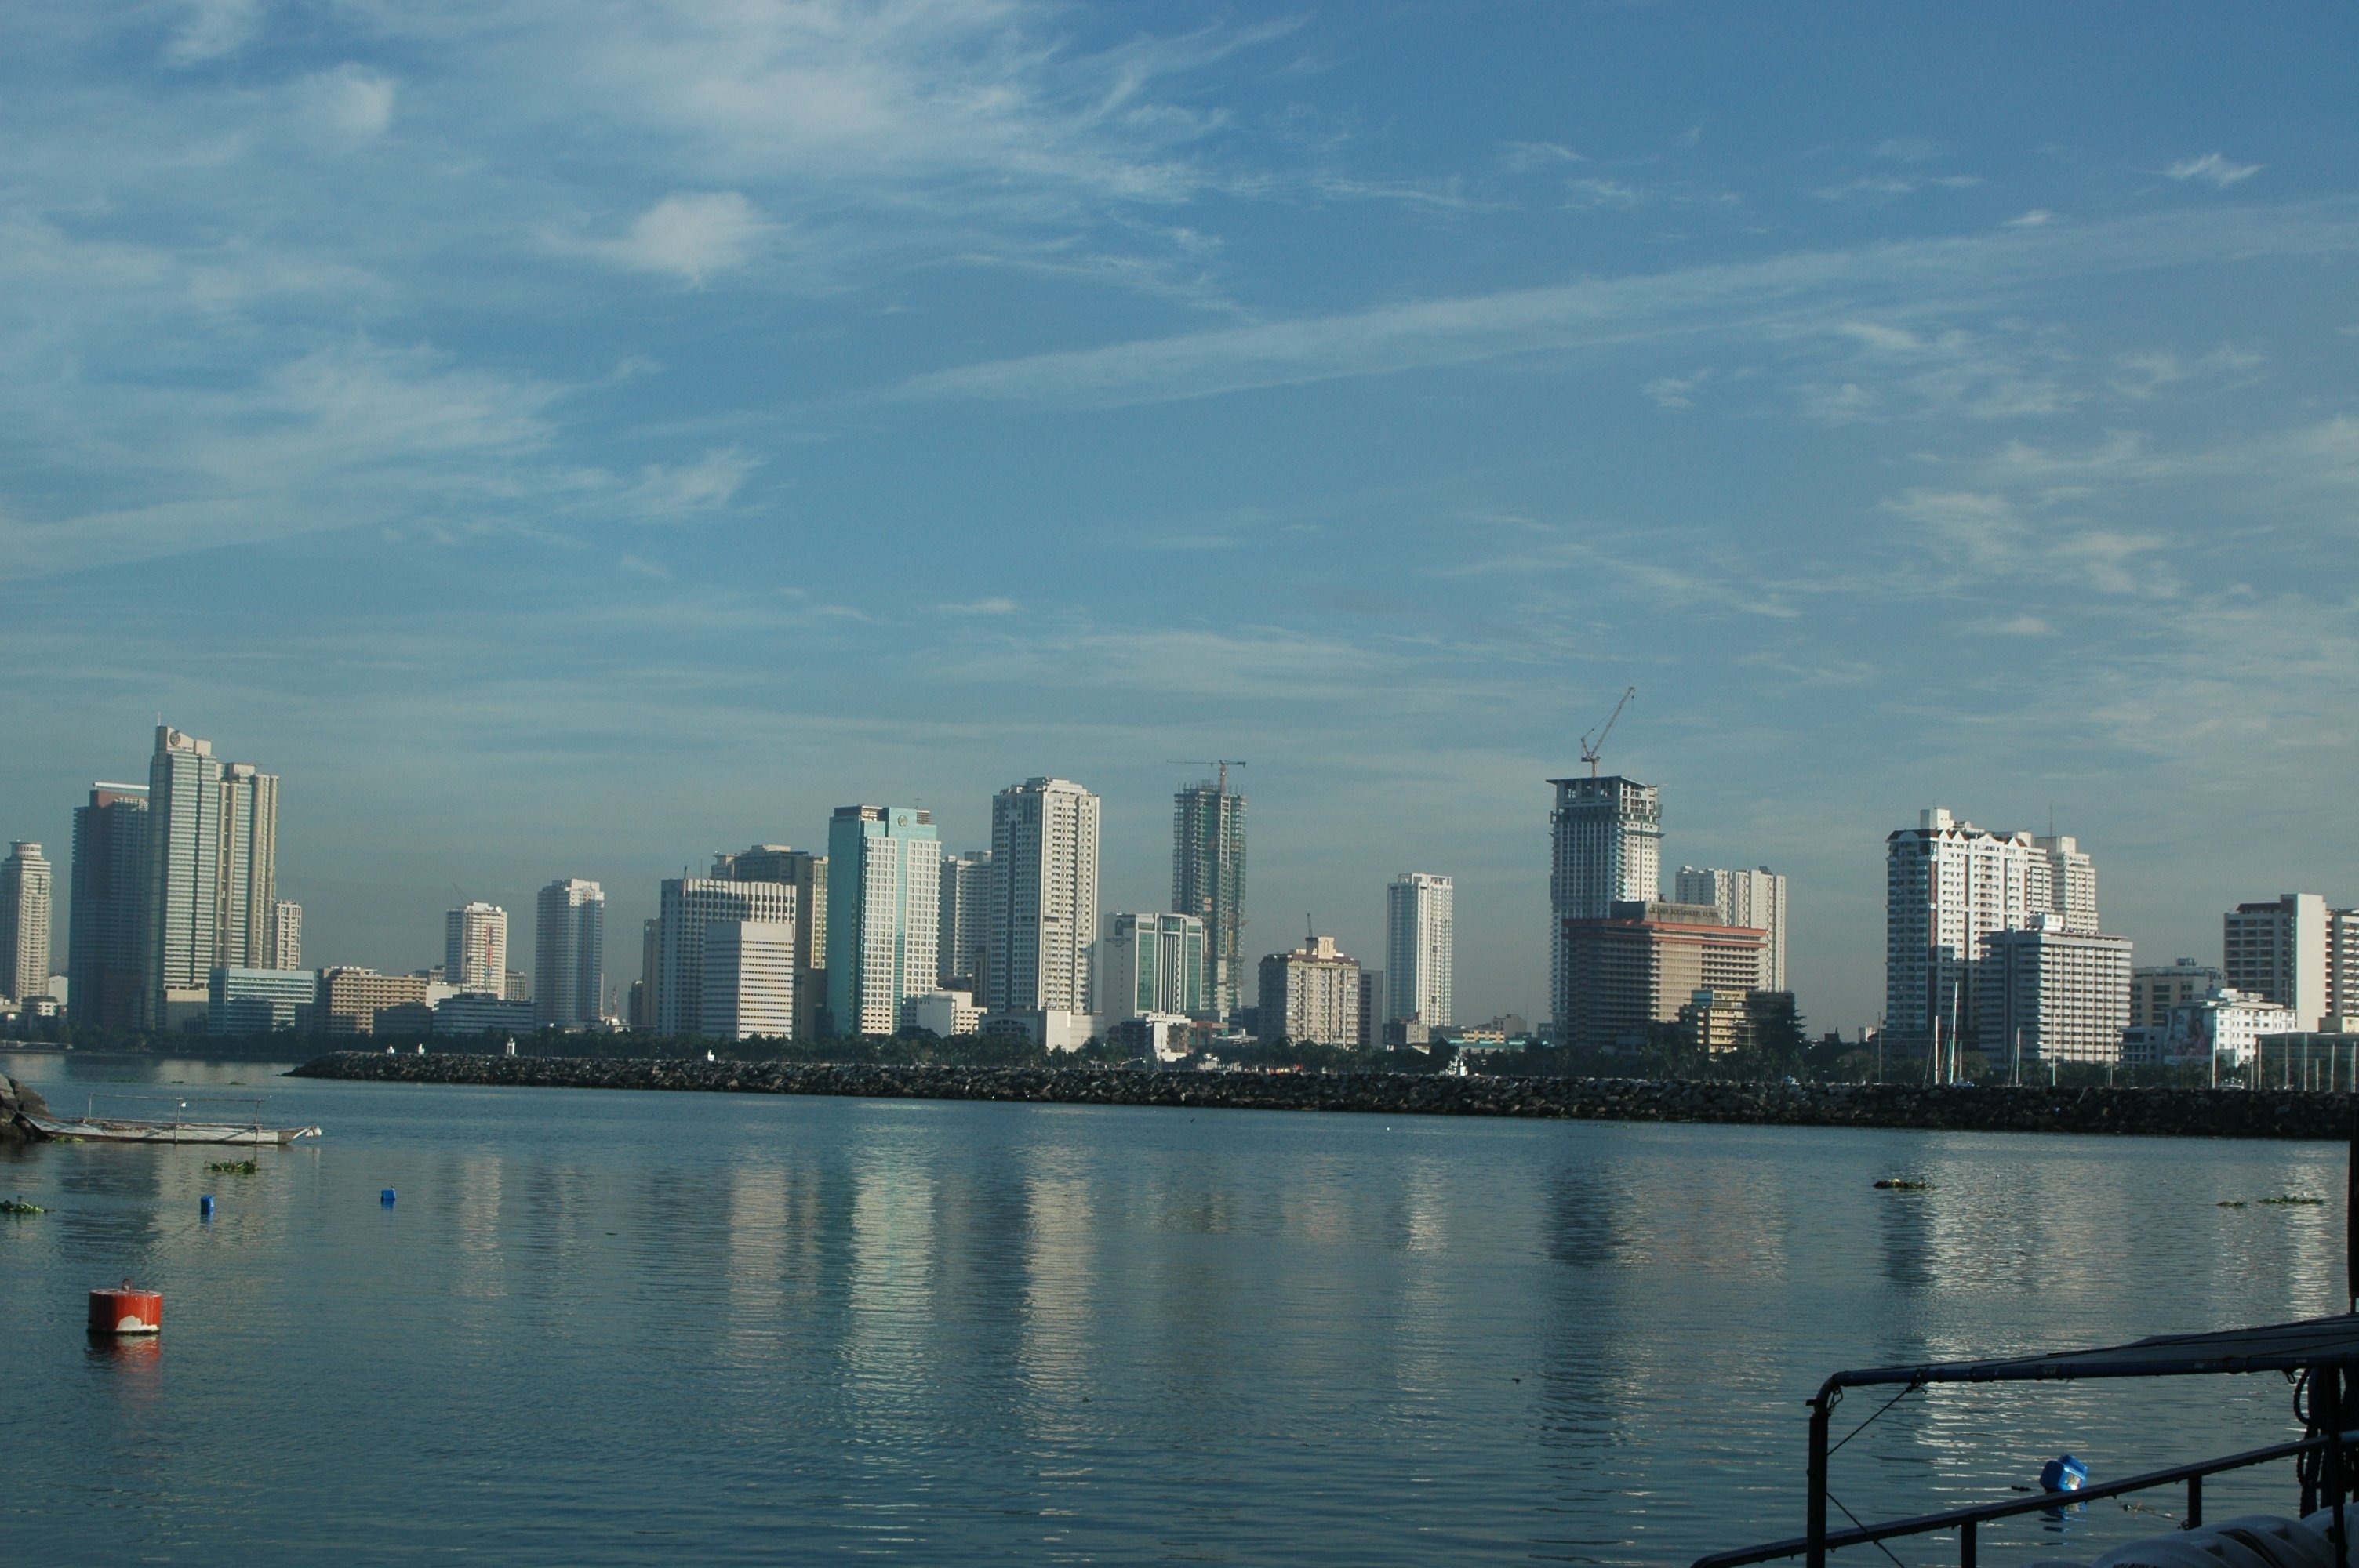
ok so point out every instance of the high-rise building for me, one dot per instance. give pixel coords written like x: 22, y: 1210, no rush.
x: 24, y: 923
x: 690, y: 908
x: 1948, y: 884
x: 2342, y: 966
x: 1370, y: 1031
x: 2049, y: 993
x: 285, y: 935
x: 884, y: 892
x: 2062, y: 881
x: 1043, y: 911
x: 183, y: 925
x: 1608, y: 850
x: 748, y: 986
x: 2157, y: 988
x: 1151, y: 964
x: 106, y: 946
x: 807, y: 874
x: 1642, y: 962
x: 959, y: 923
x: 247, y: 894
x: 1208, y: 880
x: 475, y: 949
x: 568, y: 955
x: 1310, y: 996
x: 1753, y: 898
x: 1419, y: 947
x: 2278, y: 952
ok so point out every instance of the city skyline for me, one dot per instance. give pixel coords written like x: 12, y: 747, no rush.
x: 1221, y: 394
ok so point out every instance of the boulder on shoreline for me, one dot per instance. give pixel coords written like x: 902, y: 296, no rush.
x: 2182, y: 1113
x: 17, y: 1106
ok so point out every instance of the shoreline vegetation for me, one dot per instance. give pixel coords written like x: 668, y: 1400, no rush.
x: 2090, y: 1108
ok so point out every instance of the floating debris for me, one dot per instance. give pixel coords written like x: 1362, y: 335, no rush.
x: 233, y: 1167
x: 2232, y: 1203
x: 1904, y: 1185
x: 19, y: 1205
x: 2304, y: 1202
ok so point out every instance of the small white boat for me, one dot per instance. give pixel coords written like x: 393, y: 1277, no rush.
x: 110, y: 1129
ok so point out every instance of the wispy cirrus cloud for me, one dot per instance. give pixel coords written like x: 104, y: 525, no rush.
x: 2213, y: 169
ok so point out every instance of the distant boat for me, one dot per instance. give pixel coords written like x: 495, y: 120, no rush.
x: 206, y: 1125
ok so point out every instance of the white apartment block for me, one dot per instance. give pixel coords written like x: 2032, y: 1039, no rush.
x: 1310, y: 996
x: 1753, y: 899
x: 1421, y: 948
x: 2342, y: 965
x: 1043, y: 912
x: 2277, y: 951
x: 945, y: 1012
x: 475, y: 949
x: 247, y: 891
x: 2063, y: 881
x: 690, y: 908
x: 749, y: 984
x: 25, y: 878
x: 2048, y: 993
x: 1606, y: 849
x: 2224, y: 1029
x: 569, y: 954
x: 959, y: 928
x: 2155, y: 990
x: 285, y: 935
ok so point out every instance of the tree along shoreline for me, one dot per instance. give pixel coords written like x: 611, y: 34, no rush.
x: 2092, y: 1108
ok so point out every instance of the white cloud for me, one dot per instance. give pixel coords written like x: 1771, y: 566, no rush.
x: 981, y: 607
x: 212, y: 29
x: 2215, y: 167
x: 1676, y: 390
x: 2038, y: 218
x: 691, y: 235
x: 1527, y: 158
x: 673, y: 494
x: 350, y: 99
x: 1604, y: 193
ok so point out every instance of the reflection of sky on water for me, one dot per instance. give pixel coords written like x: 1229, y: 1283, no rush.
x: 598, y: 1322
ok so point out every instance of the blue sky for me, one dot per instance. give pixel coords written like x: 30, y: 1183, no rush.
x: 572, y: 439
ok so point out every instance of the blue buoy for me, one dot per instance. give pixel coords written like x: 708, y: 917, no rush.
x: 205, y: 1206
x: 386, y: 1197
x: 2063, y: 1474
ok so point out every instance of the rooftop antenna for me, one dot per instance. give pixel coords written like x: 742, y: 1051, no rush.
x: 1589, y: 753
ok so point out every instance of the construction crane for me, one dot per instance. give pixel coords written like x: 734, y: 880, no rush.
x: 1589, y: 753
x: 1225, y: 764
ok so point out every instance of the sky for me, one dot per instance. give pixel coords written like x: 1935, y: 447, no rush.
x: 572, y: 439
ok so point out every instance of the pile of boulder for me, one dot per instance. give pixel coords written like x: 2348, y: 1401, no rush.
x: 18, y: 1106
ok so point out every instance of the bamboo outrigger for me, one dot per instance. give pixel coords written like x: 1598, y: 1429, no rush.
x: 178, y: 1127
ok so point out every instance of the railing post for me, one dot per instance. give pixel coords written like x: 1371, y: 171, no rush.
x: 1815, y: 1524
x: 1966, y: 1544
x: 2326, y: 1403
x: 2194, y: 1502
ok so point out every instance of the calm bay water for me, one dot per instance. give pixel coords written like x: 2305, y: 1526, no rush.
x: 618, y: 1327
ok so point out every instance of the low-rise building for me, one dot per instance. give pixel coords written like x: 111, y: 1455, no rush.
x: 2049, y: 993
x: 1642, y: 963
x: 468, y: 1013
x: 944, y: 1013
x: 258, y: 1001
x: 347, y: 999
x: 2155, y: 989
x: 2224, y: 1029
x: 1052, y: 1029
x: 1154, y: 1037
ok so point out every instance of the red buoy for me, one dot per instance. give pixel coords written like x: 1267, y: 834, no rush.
x: 121, y: 1309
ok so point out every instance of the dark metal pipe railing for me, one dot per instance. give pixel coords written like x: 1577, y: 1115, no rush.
x: 1965, y: 1520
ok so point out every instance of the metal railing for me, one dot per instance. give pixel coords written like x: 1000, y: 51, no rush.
x: 1967, y: 1521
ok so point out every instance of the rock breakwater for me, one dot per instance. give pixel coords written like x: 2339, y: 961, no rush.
x: 2184, y: 1113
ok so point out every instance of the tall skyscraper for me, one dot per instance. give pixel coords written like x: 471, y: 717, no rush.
x: 2342, y: 966
x: 807, y: 874
x: 2279, y: 951
x: 568, y: 955
x: 1208, y: 880
x: 690, y: 908
x: 1608, y: 837
x: 1043, y: 913
x: 959, y: 924
x: 2063, y: 881
x: 475, y: 949
x: 884, y: 891
x: 749, y: 979
x: 1420, y: 939
x: 1151, y: 963
x: 25, y: 923
x: 107, y: 948
x: 1947, y: 885
x: 248, y: 859
x: 287, y: 935
x: 1755, y: 898
x: 183, y: 894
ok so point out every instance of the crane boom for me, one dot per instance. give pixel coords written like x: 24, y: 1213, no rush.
x: 1589, y: 753
x: 1223, y: 763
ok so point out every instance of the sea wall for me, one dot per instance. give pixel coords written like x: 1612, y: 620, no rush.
x: 2198, y: 1113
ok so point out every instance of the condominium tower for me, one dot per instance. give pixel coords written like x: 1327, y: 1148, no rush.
x: 105, y: 944
x: 287, y: 935
x: 25, y: 923
x: 183, y: 921
x: 1208, y: 880
x: 883, y: 891
x: 568, y: 955
x: 690, y: 908
x: 475, y: 948
x: 2279, y: 951
x: 1420, y: 948
x: 1754, y: 899
x: 248, y: 898
x: 1608, y: 836
x: 1310, y: 995
x: 1043, y: 911
x: 1151, y: 964
x: 958, y: 922
x: 807, y: 873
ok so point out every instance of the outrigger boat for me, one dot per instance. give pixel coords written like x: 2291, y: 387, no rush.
x: 2321, y: 1355
x: 206, y: 1126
